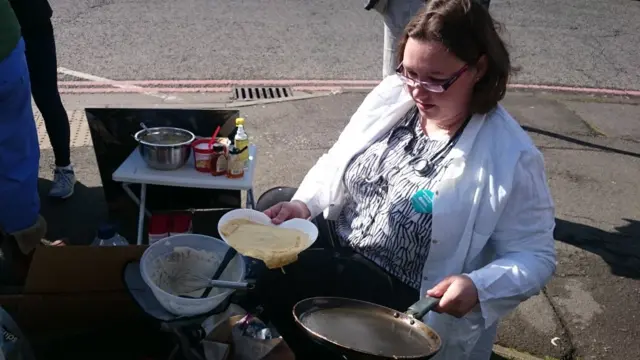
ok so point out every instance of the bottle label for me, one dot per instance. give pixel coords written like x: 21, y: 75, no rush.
x: 9, y: 340
x: 241, y: 144
x: 236, y: 167
x: 203, y: 161
x: 221, y: 164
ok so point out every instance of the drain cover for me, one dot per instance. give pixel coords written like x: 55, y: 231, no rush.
x: 260, y: 93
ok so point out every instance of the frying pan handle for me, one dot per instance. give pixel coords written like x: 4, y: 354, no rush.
x: 423, y: 306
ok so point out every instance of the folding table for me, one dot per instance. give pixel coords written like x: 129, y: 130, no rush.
x: 134, y: 170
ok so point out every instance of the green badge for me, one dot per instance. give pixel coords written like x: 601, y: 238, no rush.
x: 422, y: 201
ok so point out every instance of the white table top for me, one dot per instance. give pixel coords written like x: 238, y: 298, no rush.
x: 135, y: 171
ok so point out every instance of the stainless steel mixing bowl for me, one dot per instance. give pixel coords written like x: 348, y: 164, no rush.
x: 165, y: 148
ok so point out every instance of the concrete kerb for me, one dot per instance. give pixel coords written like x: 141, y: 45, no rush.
x: 218, y: 100
x: 236, y: 103
x: 210, y: 103
x: 512, y: 354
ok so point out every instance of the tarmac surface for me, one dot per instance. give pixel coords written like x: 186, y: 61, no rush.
x: 592, y: 151
x: 590, y: 43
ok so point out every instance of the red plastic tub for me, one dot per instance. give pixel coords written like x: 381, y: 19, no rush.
x: 202, y: 155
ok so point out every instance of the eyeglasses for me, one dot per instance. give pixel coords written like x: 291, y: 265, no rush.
x: 429, y: 86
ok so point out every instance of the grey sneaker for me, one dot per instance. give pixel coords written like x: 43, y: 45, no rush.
x: 64, y: 180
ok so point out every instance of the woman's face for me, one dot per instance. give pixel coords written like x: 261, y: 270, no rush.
x: 431, y: 63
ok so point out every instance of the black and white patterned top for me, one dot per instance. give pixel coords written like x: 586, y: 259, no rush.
x: 378, y: 220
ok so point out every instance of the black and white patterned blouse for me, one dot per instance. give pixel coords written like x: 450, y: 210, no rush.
x: 378, y: 220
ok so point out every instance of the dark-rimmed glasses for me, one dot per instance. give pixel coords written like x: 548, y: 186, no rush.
x: 429, y: 86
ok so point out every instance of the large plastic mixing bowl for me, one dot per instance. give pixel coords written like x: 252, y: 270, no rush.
x: 235, y: 271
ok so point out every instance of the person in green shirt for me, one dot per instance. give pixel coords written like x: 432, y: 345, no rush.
x: 9, y: 29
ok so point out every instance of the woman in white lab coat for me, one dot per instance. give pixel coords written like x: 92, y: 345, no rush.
x: 432, y: 188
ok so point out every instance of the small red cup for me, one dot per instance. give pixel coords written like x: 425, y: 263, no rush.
x: 181, y: 224
x: 158, y: 227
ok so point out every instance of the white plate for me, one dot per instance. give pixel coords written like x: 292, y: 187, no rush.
x: 305, y: 226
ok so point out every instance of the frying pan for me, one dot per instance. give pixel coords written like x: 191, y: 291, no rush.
x: 362, y: 330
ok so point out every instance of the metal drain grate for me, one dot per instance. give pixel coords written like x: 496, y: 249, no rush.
x: 261, y: 93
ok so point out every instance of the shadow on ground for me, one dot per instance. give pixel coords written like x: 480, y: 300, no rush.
x: 75, y: 219
x: 573, y: 140
x: 621, y: 250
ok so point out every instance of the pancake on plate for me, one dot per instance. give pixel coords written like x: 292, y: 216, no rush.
x: 274, y: 245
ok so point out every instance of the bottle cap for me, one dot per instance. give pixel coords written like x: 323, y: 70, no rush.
x: 239, y: 121
x: 217, y: 147
x: 106, y: 231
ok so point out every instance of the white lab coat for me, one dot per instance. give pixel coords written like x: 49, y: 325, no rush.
x: 493, y: 216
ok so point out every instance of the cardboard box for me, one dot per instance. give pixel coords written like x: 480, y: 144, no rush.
x: 222, y: 344
x: 74, y: 289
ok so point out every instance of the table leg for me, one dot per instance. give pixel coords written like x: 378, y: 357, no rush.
x: 133, y: 197
x: 143, y: 200
x: 250, y: 199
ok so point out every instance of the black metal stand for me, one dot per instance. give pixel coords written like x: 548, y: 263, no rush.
x: 187, y: 331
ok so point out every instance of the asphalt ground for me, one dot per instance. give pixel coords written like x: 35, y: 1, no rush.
x: 585, y: 43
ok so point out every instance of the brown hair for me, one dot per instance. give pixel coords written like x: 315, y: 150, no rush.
x: 466, y: 28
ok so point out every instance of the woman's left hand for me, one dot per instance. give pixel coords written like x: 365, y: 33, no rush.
x: 457, y: 293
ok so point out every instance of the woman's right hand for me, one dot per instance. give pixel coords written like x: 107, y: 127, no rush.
x: 286, y: 210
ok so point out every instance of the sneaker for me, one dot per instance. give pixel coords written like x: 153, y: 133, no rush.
x: 64, y: 180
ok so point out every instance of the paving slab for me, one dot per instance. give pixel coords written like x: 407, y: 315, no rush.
x: 600, y: 314
x: 614, y: 120
x: 534, y: 327
x: 594, y: 188
x: 545, y: 113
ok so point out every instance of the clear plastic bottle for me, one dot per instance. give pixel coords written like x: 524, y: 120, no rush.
x: 108, y: 236
x: 241, y: 141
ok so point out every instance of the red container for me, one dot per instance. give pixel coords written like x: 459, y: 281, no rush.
x: 158, y: 227
x: 202, y: 155
x: 181, y: 224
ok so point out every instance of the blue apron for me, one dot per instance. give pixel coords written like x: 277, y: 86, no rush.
x: 19, y: 150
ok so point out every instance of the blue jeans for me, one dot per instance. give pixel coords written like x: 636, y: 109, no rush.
x: 19, y: 149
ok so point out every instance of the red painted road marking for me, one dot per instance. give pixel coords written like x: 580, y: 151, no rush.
x: 587, y: 90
